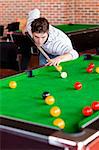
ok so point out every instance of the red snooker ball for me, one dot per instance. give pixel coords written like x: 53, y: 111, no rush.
x: 91, y: 65
x: 95, y: 105
x: 87, y: 111
x: 77, y: 85
x: 89, y: 70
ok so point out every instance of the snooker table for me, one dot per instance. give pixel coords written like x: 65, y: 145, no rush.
x: 83, y: 36
x: 25, y: 115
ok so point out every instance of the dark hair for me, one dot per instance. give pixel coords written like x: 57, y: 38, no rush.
x: 40, y: 25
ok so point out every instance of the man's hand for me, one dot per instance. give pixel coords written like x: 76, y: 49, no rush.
x: 57, y: 60
x: 54, y: 62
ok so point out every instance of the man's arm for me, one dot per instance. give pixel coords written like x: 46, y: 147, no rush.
x: 34, y: 14
x: 63, y: 58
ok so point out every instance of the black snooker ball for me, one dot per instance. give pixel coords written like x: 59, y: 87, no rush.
x: 45, y: 94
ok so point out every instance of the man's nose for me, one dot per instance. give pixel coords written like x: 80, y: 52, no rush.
x: 40, y: 40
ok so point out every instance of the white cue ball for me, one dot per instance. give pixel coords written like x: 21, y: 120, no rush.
x: 63, y: 74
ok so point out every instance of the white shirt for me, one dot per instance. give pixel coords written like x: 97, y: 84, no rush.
x: 58, y: 43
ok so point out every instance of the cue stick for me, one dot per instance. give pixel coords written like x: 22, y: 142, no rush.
x: 41, y: 50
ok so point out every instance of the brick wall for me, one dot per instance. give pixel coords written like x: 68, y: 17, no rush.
x: 56, y: 11
x: 87, y: 11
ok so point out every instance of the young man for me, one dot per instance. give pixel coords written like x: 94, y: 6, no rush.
x: 54, y: 42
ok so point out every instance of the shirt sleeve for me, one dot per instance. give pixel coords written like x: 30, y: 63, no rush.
x: 62, y: 47
x: 32, y: 15
x: 74, y: 54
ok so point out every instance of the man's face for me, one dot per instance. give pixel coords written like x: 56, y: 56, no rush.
x: 40, y: 38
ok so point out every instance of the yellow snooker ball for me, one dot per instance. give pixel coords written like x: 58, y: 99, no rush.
x: 97, y: 69
x: 12, y: 84
x: 55, y: 111
x: 59, y: 68
x: 49, y: 100
x: 59, y: 123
